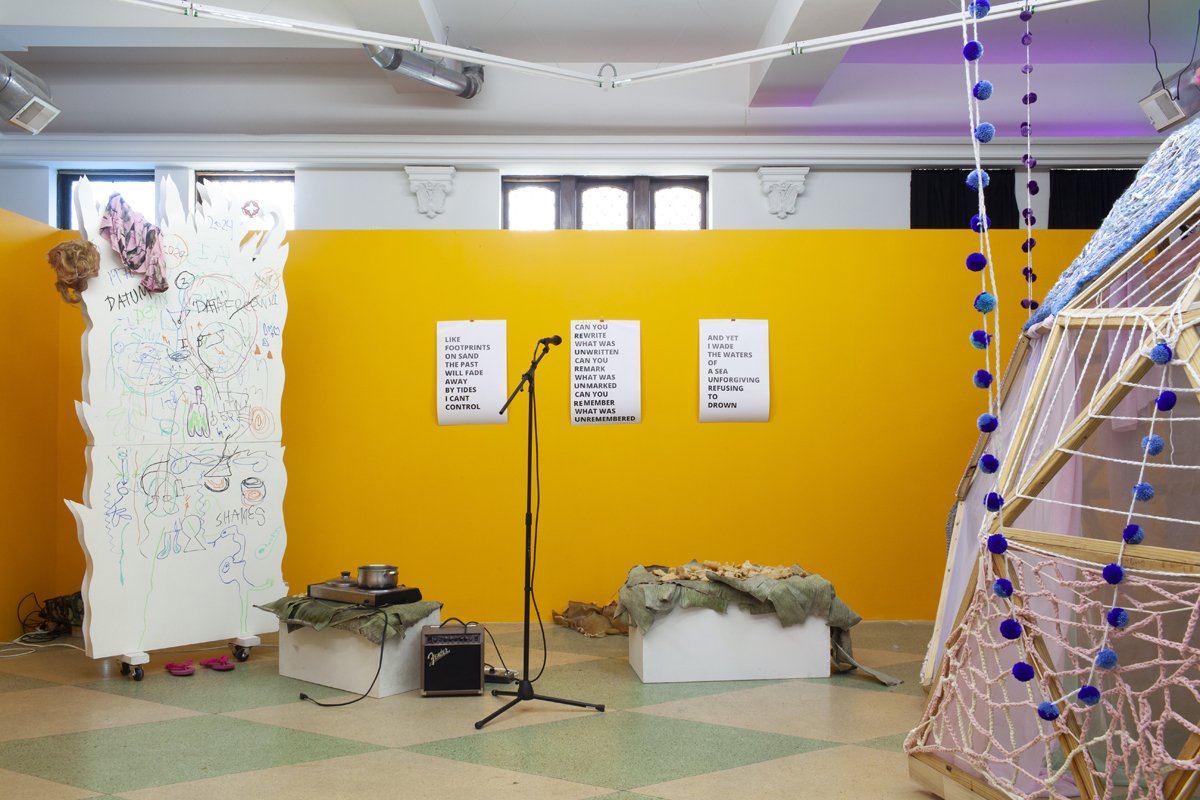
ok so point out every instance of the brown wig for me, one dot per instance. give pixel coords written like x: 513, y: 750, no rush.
x: 74, y: 262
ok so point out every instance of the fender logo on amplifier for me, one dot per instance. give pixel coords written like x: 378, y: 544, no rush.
x: 451, y: 660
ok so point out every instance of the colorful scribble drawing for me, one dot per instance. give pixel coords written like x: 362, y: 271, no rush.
x: 181, y: 400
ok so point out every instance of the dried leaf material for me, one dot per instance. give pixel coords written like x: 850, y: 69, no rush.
x: 591, y: 619
x: 700, y: 570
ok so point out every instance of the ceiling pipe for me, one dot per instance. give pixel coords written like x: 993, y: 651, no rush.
x: 465, y: 83
x: 24, y: 97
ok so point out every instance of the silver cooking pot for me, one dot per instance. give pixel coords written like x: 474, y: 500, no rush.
x: 377, y: 576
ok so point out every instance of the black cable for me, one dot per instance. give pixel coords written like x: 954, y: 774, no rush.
x: 537, y: 518
x: 1150, y: 41
x: 495, y: 647
x: 1191, y: 58
x: 378, y: 670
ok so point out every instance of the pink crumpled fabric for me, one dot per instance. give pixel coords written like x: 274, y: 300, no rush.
x: 137, y: 242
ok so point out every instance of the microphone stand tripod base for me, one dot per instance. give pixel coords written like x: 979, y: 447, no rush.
x: 525, y: 692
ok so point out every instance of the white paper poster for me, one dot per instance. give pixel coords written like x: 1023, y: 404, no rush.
x: 606, y: 372
x: 472, y: 358
x: 735, y: 370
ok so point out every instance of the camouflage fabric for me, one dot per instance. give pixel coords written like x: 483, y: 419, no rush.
x: 368, y: 622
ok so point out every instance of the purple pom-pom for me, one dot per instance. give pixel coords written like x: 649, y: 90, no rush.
x: 1010, y: 629
x: 972, y: 50
x: 1026, y: 14
x: 1153, y: 444
x: 1047, y: 711
x: 1027, y: 39
x: 1022, y: 671
x: 993, y: 502
x: 1028, y: 304
x: 1118, y: 617
x: 985, y: 302
x: 980, y: 339
x: 1027, y: 215
x: 979, y: 8
x: 1089, y: 695
x: 1143, y: 491
x: 977, y: 226
x: 982, y: 90
x: 1033, y: 187
x: 982, y: 379
x: 1106, y: 658
x: 1165, y: 400
x: 1028, y: 245
x: 985, y: 132
x: 1026, y: 129
x: 976, y: 262
x: 987, y: 422
x: 1113, y: 574
x: 1161, y: 353
x: 1029, y: 99
x: 1003, y: 587
x: 1028, y: 68
x: 977, y: 178
x: 988, y: 464
x: 996, y: 543
x: 1133, y: 534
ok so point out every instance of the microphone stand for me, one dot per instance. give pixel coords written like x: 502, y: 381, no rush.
x: 525, y: 686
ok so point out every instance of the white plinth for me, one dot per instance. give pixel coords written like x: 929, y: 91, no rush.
x: 699, y: 644
x: 347, y: 661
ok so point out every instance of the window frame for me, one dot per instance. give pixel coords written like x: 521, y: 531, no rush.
x: 66, y: 178
x: 569, y: 191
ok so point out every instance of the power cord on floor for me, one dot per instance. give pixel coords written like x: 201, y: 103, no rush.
x: 378, y: 670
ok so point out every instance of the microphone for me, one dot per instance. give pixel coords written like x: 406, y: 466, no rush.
x: 555, y: 340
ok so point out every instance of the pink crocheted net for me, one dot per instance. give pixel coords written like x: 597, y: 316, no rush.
x: 136, y: 241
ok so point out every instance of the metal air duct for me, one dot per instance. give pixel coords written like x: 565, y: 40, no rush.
x: 24, y: 97
x: 466, y: 83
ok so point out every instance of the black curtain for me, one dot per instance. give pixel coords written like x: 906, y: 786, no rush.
x: 1082, y: 198
x: 940, y: 198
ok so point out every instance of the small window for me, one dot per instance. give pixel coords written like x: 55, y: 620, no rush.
x: 678, y: 208
x: 258, y: 194
x: 609, y: 204
x: 605, y: 207
x: 136, y: 187
x: 531, y: 207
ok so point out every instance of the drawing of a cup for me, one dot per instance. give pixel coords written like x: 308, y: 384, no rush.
x: 253, y: 491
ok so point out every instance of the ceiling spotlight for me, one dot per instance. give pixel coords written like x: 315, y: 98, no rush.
x: 24, y: 97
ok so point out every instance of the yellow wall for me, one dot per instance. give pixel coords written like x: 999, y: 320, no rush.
x: 872, y: 410
x: 29, y: 363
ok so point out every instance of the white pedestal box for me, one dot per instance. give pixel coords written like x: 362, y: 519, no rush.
x: 347, y: 661
x: 699, y: 644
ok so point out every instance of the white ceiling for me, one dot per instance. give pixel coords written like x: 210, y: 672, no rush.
x: 116, y: 68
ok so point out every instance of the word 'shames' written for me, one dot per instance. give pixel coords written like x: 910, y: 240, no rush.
x: 606, y: 372
x: 734, y: 371
x: 470, y: 376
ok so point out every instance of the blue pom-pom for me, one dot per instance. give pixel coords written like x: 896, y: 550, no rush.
x: 996, y: 543
x: 980, y: 339
x: 1047, y: 711
x: 1153, y: 444
x: 1002, y: 587
x: 1166, y: 400
x: 977, y: 177
x: 993, y: 502
x: 985, y: 132
x: 977, y: 225
x: 988, y: 464
x: 1010, y: 629
x: 985, y: 302
x: 1143, y: 491
x: 972, y: 50
x: 1106, y: 658
x: 976, y: 262
x: 1089, y: 695
x: 1133, y: 534
x: 979, y: 8
x: 1113, y: 574
x: 987, y: 422
x: 1118, y: 617
x: 1161, y: 353
x: 982, y: 379
x: 982, y: 90
x: 1022, y: 671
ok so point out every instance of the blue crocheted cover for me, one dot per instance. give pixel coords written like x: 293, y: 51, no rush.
x: 1168, y: 179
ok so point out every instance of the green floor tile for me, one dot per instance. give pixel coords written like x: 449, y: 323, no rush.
x: 250, y: 685
x: 625, y: 796
x: 619, y: 750
x: 908, y: 671
x: 140, y: 756
x: 892, y: 744
x: 563, y: 640
x: 17, y: 683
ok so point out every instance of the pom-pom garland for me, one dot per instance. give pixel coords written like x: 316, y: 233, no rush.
x: 1026, y: 14
x: 1106, y: 658
x: 1047, y: 711
x: 982, y: 90
x: 978, y: 226
x: 1029, y: 304
x: 1133, y: 534
x: 1029, y: 99
x: 1166, y: 400
x: 1010, y: 629
x: 976, y: 262
x: 1027, y: 39
x: 1022, y: 671
x: 993, y: 502
x: 1118, y: 617
x: 1028, y: 68
x: 972, y: 50
x: 1028, y: 244
x: 985, y: 302
x: 980, y: 339
x: 1161, y: 353
x: 977, y: 178
x: 1029, y: 161
x: 1002, y: 587
x: 1153, y: 444
x: 1113, y: 574
x: 987, y: 422
x: 1089, y: 695
x: 979, y: 8
x: 988, y: 464
x: 1025, y: 129
x: 1143, y: 491
x: 996, y: 543
x: 1033, y: 187
x: 982, y: 379
x: 985, y: 132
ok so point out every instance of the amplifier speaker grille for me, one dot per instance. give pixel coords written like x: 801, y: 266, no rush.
x: 451, y: 660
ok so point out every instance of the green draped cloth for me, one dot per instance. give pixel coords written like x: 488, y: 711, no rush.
x: 368, y: 622
x: 644, y: 598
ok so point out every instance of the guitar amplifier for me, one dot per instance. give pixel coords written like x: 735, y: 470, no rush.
x: 451, y: 660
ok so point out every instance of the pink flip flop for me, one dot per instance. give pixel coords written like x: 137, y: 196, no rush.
x: 180, y: 669
x: 220, y: 664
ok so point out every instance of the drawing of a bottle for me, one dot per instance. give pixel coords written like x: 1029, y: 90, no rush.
x: 197, y: 421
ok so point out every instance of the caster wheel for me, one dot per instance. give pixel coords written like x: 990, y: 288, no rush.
x: 124, y: 668
x: 241, y: 653
x: 138, y: 673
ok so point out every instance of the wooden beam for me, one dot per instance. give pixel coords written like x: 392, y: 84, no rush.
x: 1028, y: 411
x: 1111, y: 318
x: 929, y: 665
x: 1181, y: 784
x: 1189, y: 341
x: 948, y: 781
x: 1016, y: 361
x: 1140, y: 556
